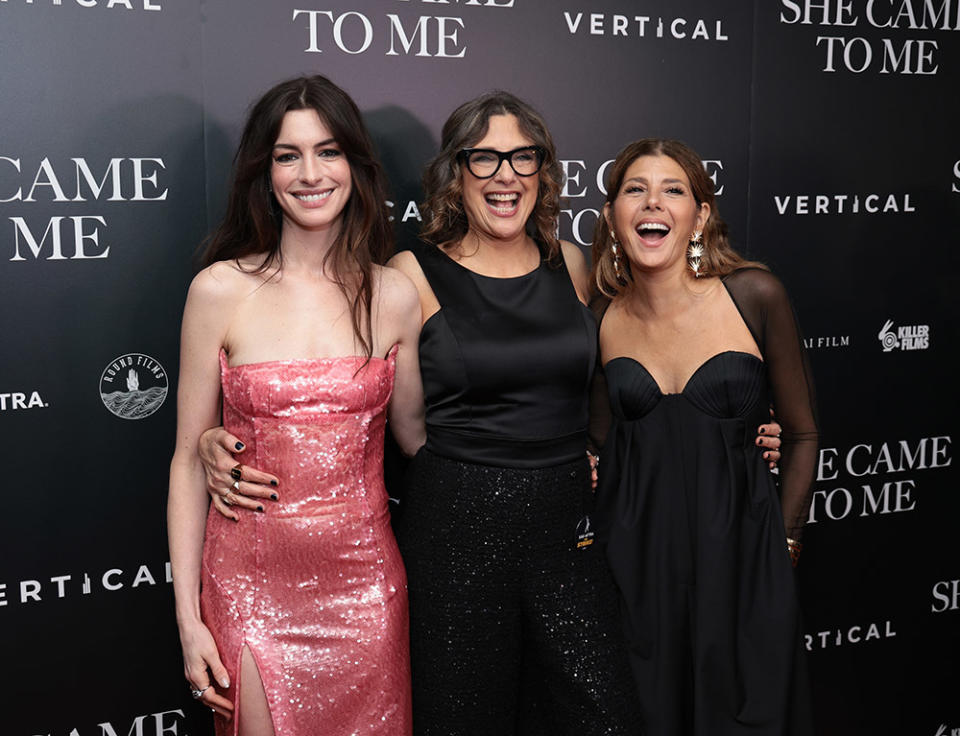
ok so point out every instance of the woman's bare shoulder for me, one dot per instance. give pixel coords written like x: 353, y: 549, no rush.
x: 577, y: 268
x: 227, y: 281
x: 394, y: 287
x: 405, y: 262
x: 572, y: 254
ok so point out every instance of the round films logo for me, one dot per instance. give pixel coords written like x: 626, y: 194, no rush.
x: 133, y: 386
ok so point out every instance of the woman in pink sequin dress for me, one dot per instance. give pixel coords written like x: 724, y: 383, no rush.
x: 295, y: 621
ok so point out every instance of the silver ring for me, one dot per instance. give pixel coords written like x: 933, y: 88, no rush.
x: 235, y: 486
x: 196, y: 694
x: 225, y: 499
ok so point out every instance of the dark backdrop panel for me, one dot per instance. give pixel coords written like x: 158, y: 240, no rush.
x: 597, y: 90
x: 851, y: 177
x: 88, y: 635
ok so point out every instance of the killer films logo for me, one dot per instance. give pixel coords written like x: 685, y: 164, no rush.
x: 905, y: 337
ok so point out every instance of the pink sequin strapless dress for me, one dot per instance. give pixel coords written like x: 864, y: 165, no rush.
x: 314, y: 587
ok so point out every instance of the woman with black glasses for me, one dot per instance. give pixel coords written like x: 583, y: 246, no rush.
x: 507, y: 595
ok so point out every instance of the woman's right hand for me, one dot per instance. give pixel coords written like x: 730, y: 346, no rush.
x: 201, y: 661
x: 219, y: 452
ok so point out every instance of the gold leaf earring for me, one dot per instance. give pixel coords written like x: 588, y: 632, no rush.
x: 695, y: 253
x: 617, y: 260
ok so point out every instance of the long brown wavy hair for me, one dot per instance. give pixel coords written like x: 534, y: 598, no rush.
x: 444, y: 218
x: 719, y: 258
x: 254, y: 221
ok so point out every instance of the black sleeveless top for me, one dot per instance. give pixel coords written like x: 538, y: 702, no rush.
x: 506, y: 364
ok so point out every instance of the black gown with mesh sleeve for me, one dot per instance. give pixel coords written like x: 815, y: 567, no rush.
x: 695, y: 526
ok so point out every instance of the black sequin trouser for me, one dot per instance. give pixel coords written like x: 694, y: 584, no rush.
x: 513, y: 629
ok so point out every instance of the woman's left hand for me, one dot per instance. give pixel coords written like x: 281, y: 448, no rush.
x: 230, y: 483
x: 594, y: 462
x: 768, y: 437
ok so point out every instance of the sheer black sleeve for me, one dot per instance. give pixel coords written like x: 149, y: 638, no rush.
x: 765, y: 307
x: 600, y: 415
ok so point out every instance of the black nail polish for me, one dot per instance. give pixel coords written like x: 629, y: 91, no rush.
x: 273, y: 482
x: 273, y: 496
x: 239, y: 446
x: 762, y: 430
x: 260, y: 508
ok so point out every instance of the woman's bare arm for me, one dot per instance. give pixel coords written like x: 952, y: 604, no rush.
x: 198, y: 402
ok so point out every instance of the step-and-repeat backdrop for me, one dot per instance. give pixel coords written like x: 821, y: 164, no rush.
x: 829, y: 127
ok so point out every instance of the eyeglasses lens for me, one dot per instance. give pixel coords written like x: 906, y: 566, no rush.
x: 483, y: 164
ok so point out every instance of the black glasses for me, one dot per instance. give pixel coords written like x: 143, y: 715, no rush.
x: 485, y: 162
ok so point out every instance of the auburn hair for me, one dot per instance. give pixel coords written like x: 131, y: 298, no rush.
x: 718, y: 259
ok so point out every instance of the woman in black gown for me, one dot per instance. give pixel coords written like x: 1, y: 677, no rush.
x: 695, y: 342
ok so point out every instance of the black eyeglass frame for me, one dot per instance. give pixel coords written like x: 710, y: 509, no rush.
x: 463, y: 156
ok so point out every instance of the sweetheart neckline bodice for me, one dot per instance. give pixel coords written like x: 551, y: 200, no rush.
x: 702, y: 366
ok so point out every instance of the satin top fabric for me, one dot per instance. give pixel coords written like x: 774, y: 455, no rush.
x: 506, y: 364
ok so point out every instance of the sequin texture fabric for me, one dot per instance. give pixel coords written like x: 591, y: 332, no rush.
x: 514, y: 630
x: 314, y: 587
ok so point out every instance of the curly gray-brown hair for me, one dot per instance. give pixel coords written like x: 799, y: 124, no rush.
x: 444, y: 217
